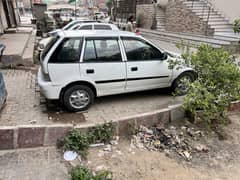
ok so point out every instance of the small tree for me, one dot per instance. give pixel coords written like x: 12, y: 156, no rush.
x: 217, y: 84
x: 109, y: 4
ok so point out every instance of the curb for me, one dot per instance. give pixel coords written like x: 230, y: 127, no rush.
x: 32, y: 136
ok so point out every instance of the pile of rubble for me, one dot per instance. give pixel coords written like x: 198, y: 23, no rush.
x: 184, y: 141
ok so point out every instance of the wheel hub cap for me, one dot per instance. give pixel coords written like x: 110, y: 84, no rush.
x: 79, y: 99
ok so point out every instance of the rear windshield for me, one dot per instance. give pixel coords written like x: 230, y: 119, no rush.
x: 69, y: 26
x: 51, y: 41
x: 102, y: 27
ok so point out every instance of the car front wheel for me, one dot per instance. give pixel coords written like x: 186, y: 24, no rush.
x: 180, y: 85
x: 78, y: 98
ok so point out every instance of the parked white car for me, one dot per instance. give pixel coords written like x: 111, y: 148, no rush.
x: 78, y: 66
x: 80, y: 26
x: 95, y: 26
x: 70, y: 26
x: 99, y: 15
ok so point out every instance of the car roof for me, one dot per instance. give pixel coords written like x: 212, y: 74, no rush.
x: 76, y: 22
x: 96, y: 33
x: 113, y: 26
x: 97, y: 23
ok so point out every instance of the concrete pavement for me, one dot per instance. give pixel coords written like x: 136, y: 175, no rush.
x: 19, y: 47
x: 32, y: 164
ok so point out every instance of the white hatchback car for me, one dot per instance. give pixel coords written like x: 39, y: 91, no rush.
x: 77, y: 66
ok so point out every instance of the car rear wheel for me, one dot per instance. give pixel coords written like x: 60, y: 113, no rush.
x: 180, y: 85
x: 78, y: 98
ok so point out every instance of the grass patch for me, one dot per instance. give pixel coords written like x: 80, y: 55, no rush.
x: 83, y: 173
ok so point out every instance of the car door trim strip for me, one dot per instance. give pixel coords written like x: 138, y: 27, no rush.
x: 129, y: 79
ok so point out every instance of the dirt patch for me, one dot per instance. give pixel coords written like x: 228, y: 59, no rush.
x: 56, y: 114
x: 220, y: 162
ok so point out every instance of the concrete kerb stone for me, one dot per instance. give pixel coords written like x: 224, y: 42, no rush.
x: 30, y: 136
x: 39, y: 135
x: 6, y: 138
x: 235, y: 106
x: 176, y: 112
x: 54, y: 133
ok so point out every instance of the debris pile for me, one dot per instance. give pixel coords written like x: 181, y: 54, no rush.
x: 184, y: 141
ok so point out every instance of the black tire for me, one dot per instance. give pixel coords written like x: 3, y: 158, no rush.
x: 176, y: 84
x: 68, y: 95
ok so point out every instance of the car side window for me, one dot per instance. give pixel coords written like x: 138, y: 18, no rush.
x: 90, y: 53
x: 139, y: 50
x: 102, y: 27
x: 102, y: 50
x: 76, y: 27
x: 87, y: 27
x: 68, y: 51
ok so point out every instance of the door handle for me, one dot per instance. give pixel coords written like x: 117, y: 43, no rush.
x: 90, y: 71
x: 134, y: 68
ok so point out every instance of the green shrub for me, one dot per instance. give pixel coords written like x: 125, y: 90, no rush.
x: 83, y: 173
x: 103, y: 175
x: 75, y: 141
x: 101, y: 133
x: 79, y: 142
x: 217, y: 84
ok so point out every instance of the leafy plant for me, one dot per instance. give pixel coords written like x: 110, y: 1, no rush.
x: 101, y: 133
x: 217, y: 84
x: 103, y: 175
x: 75, y: 141
x: 109, y: 4
x: 79, y: 142
x: 236, y: 26
x: 83, y: 173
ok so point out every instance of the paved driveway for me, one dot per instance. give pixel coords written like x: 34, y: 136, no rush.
x: 25, y: 106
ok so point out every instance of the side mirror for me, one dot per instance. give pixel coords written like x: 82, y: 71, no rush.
x: 164, y: 56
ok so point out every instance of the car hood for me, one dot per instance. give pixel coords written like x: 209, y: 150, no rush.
x: 174, y: 54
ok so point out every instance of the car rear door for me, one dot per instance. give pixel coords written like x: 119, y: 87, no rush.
x: 63, y: 64
x: 102, y: 63
x: 146, y: 68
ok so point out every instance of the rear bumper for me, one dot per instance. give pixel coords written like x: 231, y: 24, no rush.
x: 47, y: 89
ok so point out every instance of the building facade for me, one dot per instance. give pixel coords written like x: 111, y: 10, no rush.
x: 9, y: 15
x: 123, y: 9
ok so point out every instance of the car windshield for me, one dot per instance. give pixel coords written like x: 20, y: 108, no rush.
x: 50, y: 42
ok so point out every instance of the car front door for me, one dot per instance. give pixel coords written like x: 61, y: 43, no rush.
x: 102, y: 63
x: 146, y: 67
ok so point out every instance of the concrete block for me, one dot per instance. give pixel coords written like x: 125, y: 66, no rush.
x: 6, y: 138
x: 125, y: 126
x: 176, y: 113
x: 54, y: 133
x: 29, y: 137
